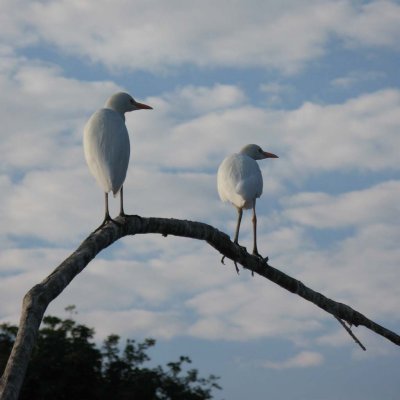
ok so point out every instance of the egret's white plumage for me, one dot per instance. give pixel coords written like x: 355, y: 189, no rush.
x: 107, y: 149
x: 106, y: 144
x: 240, y: 182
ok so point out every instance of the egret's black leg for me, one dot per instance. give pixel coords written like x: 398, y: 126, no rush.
x: 121, y: 202
x: 254, y: 219
x: 107, y: 217
x: 239, y: 220
x: 107, y: 212
x: 236, y: 238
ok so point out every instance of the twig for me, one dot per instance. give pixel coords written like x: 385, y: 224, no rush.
x: 350, y: 332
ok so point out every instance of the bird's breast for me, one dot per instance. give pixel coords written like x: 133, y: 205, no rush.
x: 107, y: 148
x: 239, y: 180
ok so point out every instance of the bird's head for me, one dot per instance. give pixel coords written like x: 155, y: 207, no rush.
x: 124, y: 102
x: 256, y: 152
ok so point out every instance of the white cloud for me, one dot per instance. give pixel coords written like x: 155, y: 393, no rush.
x: 156, y: 35
x: 378, y: 204
x: 376, y: 23
x: 275, y: 91
x: 20, y: 270
x: 163, y: 325
x: 376, y: 345
x: 44, y: 113
x: 356, y: 77
x: 304, y: 359
x: 250, y: 309
x: 199, y: 100
x: 14, y: 23
x: 355, y: 270
x: 361, y: 133
x: 338, y: 338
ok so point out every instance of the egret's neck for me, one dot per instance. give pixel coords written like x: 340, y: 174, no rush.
x: 246, y: 152
x: 115, y: 106
x: 251, y: 151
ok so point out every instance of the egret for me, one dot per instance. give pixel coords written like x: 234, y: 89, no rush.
x: 240, y: 182
x: 107, y: 148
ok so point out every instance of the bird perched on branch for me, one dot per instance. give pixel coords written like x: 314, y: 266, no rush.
x: 240, y: 182
x: 107, y: 148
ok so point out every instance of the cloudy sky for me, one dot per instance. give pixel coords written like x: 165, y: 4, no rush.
x: 316, y: 82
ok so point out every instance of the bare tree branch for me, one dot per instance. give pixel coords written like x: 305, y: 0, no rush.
x: 39, y: 297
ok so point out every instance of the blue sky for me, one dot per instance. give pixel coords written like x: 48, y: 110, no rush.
x: 315, y: 82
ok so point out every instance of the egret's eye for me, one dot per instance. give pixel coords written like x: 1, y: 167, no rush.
x: 132, y: 101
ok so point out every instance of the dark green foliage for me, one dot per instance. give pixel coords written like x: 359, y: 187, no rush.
x: 66, y: 364
x: 7, y: 336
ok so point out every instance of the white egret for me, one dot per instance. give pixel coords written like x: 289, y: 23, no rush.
x: 240, y: 182
x: 107, y: 147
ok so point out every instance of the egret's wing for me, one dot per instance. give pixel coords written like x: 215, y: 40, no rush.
x: 239, y: 180
x: 107, y: 148
x: 250, y: 186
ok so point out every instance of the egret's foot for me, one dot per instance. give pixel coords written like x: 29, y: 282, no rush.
x: 258, y: 255
x: 107, y: 220
x: 237, y: 268
x: 242, y: 248
x: 262, y: 258
x: 123, y: 215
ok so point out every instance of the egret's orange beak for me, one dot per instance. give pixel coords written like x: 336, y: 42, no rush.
x: 143, y: 106
x: 270, y: 155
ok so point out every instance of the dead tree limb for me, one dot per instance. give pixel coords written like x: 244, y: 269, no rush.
x: 39, y: 297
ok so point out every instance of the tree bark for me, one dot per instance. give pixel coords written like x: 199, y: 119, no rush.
x: 38, y: 298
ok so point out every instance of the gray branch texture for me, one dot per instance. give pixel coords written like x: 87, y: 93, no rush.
x: 39, y: 297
